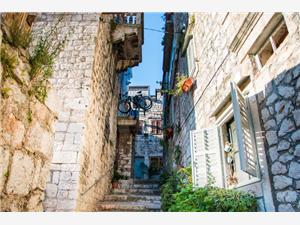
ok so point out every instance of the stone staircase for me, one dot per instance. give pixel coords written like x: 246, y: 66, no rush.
x: 133, y: 196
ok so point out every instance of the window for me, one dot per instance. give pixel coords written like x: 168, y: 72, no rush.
x: 277, y: 32
x: 226, y: 155
x: 156, y: 127
x: 191, y: 58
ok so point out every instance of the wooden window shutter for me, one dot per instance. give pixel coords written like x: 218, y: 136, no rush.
x: 206, y: 158
x: 245, y: 131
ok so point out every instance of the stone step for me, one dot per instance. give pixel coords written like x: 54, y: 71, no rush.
x: 136, y: 191
x: 129, y: 206
x: 133, y: 197
x: 146, y: 182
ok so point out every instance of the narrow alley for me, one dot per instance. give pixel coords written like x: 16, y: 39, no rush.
x: 150, y: 112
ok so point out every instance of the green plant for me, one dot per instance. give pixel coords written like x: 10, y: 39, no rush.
x: 6, y: 173
x: 177, y: 155
x: 29, y: 115
x: 15, y: 33
x: 177, y: 91
x: 179, y: 195
x: 5, y: 91
x: 116, y: 176
x: 213, y: 199
x: 42, y: 60
x: 192, y: 20
x: 172, y: 183
x: 8, y: 61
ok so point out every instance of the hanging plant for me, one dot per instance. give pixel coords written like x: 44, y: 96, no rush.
x: 183, y: 85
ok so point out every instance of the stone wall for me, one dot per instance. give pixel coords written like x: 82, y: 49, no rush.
x: 26, y: 140
x: 148, y: 144
x: 217, y: 64
x: 125, y: 147
x: 84, y: 85
x: 280, y: 113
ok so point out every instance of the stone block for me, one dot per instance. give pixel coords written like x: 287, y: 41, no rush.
x: 62, y: 194
x: 21, y: 174
x: 265, y: 114
x: 65, y: 176
x: 283, y: 145
x: 281, y: 182
x: 271, y: 137
x: 35, y: 202
x: 278, y: 168
x: 297, y: 150
x: 270, y: 124
x: 296, y: 135
x: 65, y: 205
x: 13, y: 131
x: 50, y: 203
x: 285, y: 208
x: 287, y: 126
x: 70, y: 167
x: 286, y: 91
x: 51, y: 190
x: 71, y: 147
x: 271, y: 99
x: 60, y: 126
x: 67, y: 185
x: 55, y: 177
x: 286, y: 157
x: 296, y: 115
x: 59, y: 136
x: 4, y: 161
x: 38, y: 139
x: 294, y: 170
x: 75, y: 127
x: 273, y: 153
x: 64, y: 157
x: 287, y: 196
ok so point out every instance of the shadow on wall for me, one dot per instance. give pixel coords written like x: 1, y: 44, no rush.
x: 279, y: 108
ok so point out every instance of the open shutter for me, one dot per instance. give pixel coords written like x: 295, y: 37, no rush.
x: 245, y: 131
x: 206, y: 158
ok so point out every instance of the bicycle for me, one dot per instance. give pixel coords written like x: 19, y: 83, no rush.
x: 135, y: 102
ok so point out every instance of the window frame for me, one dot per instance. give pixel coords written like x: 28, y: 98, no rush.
x: 270, y: 40
x: 221, y: 122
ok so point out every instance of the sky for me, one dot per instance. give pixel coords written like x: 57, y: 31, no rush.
x: 150, y: 70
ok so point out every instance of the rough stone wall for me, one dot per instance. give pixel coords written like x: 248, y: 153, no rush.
x: 99, y: 146
x: 150, y: 145
x: 84, y: 82
x: 280, y: 113
x: 213, y: 33
x: 125, y: 149
x: 26, y: 140
x: 217, y: 65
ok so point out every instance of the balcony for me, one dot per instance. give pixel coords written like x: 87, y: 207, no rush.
x: 128, y: 38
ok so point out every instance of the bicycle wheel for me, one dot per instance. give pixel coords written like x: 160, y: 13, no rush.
x: 124, y: 106
x: 145, y: 102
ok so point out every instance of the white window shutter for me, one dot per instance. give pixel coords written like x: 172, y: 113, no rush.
x: 206, y: 158
x: 245, y: 131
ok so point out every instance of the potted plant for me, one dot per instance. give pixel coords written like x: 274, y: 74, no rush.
x: 183, y: 84
x: 187, y: 84
x: 169, y: 132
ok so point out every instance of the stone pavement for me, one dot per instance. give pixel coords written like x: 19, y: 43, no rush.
x: 133, y: 196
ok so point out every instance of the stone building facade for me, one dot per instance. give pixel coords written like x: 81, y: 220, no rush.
x: 245, y: 68
x: 26, y: 133
x: 148, y: 148
x: 84, y: 96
